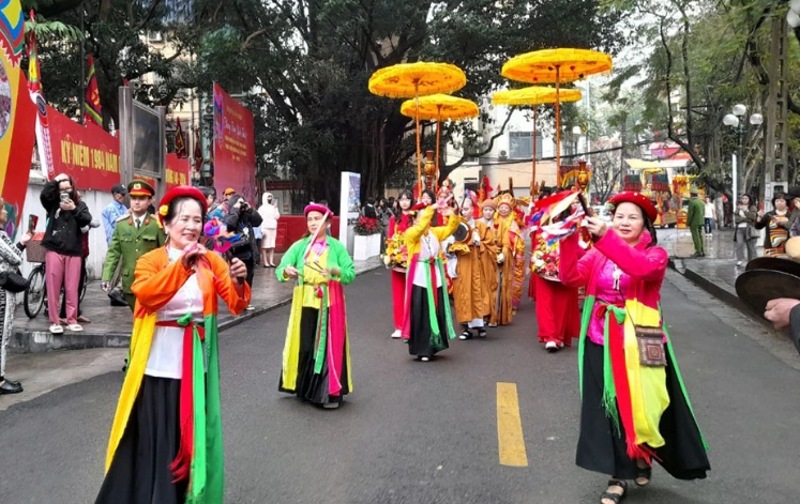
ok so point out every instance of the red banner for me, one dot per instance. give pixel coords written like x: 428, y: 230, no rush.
x: 177, y: 171
x: 87, y: 153
x: 234, y: 146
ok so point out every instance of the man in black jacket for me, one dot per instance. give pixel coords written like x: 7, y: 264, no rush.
x: 240, y: 220
x: 66, y: 215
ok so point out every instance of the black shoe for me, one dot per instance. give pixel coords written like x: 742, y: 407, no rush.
x: 10, y: 388
x: 466, y: 335
x: 482, y: 332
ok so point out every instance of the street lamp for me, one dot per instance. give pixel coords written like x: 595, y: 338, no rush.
x: 734, y: 120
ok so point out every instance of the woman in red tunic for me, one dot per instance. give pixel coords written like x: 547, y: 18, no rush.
x: 397, y: 256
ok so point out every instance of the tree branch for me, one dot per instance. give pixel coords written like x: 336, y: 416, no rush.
x: 448, y: 169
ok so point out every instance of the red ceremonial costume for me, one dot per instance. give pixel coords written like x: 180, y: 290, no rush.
x: 396, y: 248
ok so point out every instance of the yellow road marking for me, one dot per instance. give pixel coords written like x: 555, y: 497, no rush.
x: 511, y: 443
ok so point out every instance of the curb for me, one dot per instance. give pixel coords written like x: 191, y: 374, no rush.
x: 43, y: 341
x: 717, y: 289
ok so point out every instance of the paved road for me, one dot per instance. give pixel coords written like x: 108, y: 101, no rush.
x: 428, y: 433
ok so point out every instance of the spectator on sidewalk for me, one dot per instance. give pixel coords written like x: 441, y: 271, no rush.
x: 135, y: 235
x: 114, y: 210
x: 83, y: 319
x: 240, y: 221
x: 695, y: 219
x: 66, y: 215
x: 10, y: 259
x: 777, y: 224
x: 744, y: 218
x: 710, y: 215
x: 369, y: 209
x: 269, y: 229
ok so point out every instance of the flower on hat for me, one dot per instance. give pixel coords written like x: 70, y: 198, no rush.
x: 162, y: 210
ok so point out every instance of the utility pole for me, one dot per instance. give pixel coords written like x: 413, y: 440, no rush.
x: 775, y: 143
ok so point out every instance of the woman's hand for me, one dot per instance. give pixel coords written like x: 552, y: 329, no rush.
x: 597, y: 226
x: 331, y: 272
x: 67, y: 205
x: 290, y: 272
x: 26, y: 237
x: 237, y: 269
x: 191, y: 254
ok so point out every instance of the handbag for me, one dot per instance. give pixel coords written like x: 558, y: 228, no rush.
x: 13, y: 282
x: 651, y: 345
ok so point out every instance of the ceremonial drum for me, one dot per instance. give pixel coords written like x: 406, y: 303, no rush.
x: 462, y: 233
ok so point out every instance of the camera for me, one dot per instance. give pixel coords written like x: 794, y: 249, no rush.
x: 64, y: 196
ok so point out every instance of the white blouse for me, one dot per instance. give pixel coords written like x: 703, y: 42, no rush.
x: 166, y: 351
x: 430, y: 248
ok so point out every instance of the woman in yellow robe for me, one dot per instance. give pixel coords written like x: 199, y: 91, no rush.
x: 470, y: 294
x: 512, y: 250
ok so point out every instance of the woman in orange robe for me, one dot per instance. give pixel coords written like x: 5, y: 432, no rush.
x: 166, y: 439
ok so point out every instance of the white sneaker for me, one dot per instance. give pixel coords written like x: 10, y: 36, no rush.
x: 56, y: 329
x: 330, y: 405
x: 552, y: 346
x: 75, y: 328
x: 250, y: 308
x: 425, y: 359
x: 396, y: 334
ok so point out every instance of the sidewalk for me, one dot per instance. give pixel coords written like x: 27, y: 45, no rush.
x: 111, y: 326
x: 717, y: 272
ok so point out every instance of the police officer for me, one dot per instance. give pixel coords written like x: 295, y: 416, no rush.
x: 135, y: 234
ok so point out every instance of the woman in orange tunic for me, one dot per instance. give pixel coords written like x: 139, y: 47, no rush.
x: 166, y: 439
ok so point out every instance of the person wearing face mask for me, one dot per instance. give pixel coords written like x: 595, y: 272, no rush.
x: 745, y: 235
x: 777, y: 224
x: 634, y: 406
x: 398, y: 224
x: 269, y: 229
x: 165, y: 444
x: 63, y: 241
x: 316, y: 353
x: 488, y: 259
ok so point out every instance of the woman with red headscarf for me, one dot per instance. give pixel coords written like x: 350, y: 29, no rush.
x: 166, y: 439
x: 634, y: 406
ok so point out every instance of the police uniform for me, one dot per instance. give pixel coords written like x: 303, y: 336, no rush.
x: 129, y: 241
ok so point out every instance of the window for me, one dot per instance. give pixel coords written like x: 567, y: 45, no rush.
x: 520, y: 147
x: 155, y: 36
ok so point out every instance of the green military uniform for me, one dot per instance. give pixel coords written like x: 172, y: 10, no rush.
x: 129, y: 242
x: 695, y: 219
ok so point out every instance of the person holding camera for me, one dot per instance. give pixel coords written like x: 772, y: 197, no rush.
x: 240, y: 220
x: 66, y: 215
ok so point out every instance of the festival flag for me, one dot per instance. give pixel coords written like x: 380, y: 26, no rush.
x: 91, y: 108
x: 18, y: 120
x: 180, y: 144
x: 198, y: 151
x: 35, y: 90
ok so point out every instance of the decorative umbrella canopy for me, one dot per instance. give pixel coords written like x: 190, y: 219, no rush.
x: 535, y: 95
x: 412, y: 80
x: 408, y: 80
x: 440, y: 106
x: 549, y: 66
x: 556, y: 66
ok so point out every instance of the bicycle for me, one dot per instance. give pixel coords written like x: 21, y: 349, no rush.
x: 35, y: 296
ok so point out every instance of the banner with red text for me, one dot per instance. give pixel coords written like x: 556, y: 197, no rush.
x: 177, y: 171
x: 234, y: 146
x: 89, y: 154
x: 17, y: 114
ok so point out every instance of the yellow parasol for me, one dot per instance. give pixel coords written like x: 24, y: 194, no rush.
x: 412, y: 80
x: 534, y: 95
x: 437, y: 107
x: 556, y: 66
